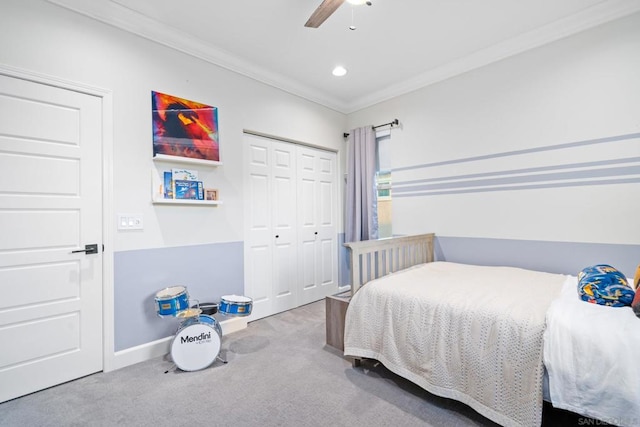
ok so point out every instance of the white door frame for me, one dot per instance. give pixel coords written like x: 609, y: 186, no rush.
x: 108, y: 355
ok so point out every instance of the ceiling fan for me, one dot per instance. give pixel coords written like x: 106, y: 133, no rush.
x: 326, y: 9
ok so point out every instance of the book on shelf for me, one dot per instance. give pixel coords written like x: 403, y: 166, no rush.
x: 188, y: 190
x: 168, y: 185
x: 184, y: 174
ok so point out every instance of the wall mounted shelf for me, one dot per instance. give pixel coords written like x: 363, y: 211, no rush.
x: 157, y: 180
x: 184, y: 160
x: 186, y: 202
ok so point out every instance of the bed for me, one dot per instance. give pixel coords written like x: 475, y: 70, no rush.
x: 499, y: 339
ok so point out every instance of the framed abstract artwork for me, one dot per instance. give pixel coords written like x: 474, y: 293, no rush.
x: 184, y: 128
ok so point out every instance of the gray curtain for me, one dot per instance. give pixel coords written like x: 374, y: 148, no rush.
x: 362, y: 205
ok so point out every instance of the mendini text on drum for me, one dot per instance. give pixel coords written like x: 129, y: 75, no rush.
x: 203, y: 336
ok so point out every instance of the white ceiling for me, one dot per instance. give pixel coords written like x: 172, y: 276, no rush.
x: 398, y: 46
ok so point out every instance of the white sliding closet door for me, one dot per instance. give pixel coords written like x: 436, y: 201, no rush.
x: 317, y: 252
x: 291, y: 251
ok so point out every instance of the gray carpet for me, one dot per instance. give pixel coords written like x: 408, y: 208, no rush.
x: 279, y: 373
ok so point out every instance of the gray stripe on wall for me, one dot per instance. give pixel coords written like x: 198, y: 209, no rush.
x: 560, y: 176
x: 523, y: 187
x: 525, y: 151
x: 609, y: 162
x: 208, y: 271
x: 552, y: 257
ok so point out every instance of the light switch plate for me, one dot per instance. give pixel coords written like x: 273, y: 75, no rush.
x: 130, y: 222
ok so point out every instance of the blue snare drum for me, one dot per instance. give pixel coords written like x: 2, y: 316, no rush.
x: 204, y: 319
x: 197, y: 343
x: 171, y: 301
x: 235, y: 305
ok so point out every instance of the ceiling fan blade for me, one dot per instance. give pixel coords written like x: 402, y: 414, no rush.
x: 326, y: 8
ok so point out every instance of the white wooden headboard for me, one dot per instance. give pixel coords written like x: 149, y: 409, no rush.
x: 371, y: 259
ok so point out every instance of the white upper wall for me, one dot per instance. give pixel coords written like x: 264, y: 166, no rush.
x: 580, y: 88
x: 576, y: 89
x: 42, y: 38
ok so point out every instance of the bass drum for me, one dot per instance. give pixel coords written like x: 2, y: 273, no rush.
x: 197, y: 343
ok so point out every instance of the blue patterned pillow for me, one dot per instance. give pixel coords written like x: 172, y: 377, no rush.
x: 604, y: 285
x: 636, y: 300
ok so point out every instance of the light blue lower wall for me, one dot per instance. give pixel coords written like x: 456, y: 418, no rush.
x: 208, y: 271
x: 344, y: 267
x: 552, y: 257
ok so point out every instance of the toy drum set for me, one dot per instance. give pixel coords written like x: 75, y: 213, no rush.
x: 198, y: 339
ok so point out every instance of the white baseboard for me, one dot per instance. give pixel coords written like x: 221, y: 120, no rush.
x: 160, y: 347
x: 233, y: 324
x: 345, y: 288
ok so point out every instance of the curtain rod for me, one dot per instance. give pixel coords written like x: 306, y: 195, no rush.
x: 392, y: 124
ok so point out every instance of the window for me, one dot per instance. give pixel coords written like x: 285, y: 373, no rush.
x: 383, y: 183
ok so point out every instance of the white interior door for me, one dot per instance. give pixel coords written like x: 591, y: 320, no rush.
x: 50, y: 206
x: 317, y: 210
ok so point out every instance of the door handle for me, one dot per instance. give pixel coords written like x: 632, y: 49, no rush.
x: 88, y: 249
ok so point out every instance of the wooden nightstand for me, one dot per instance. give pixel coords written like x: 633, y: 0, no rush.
x: 336, y: 310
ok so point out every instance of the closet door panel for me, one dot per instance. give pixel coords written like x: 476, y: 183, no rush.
x: 316, y: 177
x: 259, y: 236
x: 307, y: 237
x: 308, y: 225
x: 328, y: 229
x: 283, y: 208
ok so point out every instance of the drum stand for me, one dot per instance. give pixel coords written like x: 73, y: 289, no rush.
x: 173, y: 365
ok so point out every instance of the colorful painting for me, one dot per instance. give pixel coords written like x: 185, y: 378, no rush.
x: 184, y: 128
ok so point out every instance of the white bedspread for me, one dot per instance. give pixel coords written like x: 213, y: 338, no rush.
x: 470, y: 333
x: 592, y: 355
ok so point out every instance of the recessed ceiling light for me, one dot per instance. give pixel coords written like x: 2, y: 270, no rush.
x: 339, y: 71
x: 357, y: 2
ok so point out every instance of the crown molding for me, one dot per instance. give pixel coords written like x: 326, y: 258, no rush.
x: 119, y: 16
